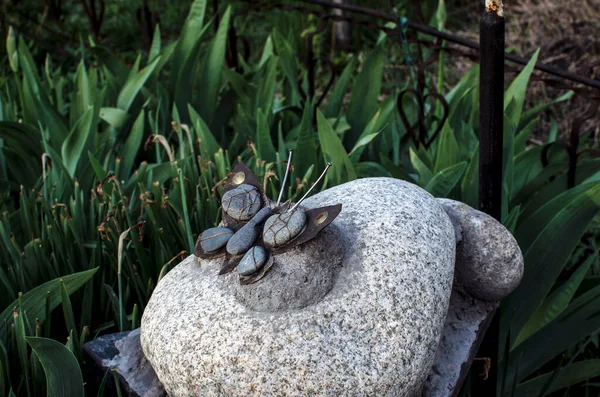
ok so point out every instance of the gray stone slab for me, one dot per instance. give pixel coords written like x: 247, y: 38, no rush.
x: 468, y: 319
x: 122, y: 352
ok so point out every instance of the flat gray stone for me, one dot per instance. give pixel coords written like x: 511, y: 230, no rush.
x: 241, y: 203
x: 467, y: 321
x: 282, y: 228
x: 375, y: 333
x: 489, y: 262
x: 245, y: 238
x: 252, y: 261
x: 215, y: 238
x: 123, y: 353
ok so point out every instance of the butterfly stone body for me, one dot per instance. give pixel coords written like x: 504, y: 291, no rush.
x: 254, y: 228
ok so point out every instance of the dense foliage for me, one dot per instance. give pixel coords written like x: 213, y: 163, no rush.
x: 110, y: 171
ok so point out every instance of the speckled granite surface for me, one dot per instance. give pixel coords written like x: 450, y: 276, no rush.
x: 374, y: 333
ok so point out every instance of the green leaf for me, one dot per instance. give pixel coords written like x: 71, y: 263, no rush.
x: 447, y: 152
x: 544, y: 262
x: 336, y: 99
x: 288, y: 59
x: 73, y: 146
x: 266, y: 90
x: 469, y: 187
x: 365, y: 94
x: 556, y: 302
x: 33, y: 302
x: 132, y: 145
x: 133, y: 85
x: 374, y: 127
x: 210, y: 79
x: 530, y: 115
x: 11, y: 49
x: 264, y: 143
x: 82, y: 98
x: 444, y: 181
x: 395, y: 170
x: 425, y: 174
x: 63, y: 374
x: 370, y: 169
x: 508, y: 150
x: 512, y: 218
x: 207, y: 139
x: 334, y: 152
x: 306, y: 146
x: 115, y: 117
x: 190, y: 34
x: 578, y: 321
x: 156, y: 44
x: 517, y: 89
x: 362, y: 142
x: 68, y: 314
x: 567, y: 376
x: 532, y: 225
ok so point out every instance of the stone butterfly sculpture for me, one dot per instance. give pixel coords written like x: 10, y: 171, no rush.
x: 391, y: 299
x: 255, y: 228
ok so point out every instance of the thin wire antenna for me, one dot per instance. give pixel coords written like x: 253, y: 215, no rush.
x: 311, y: 188
x: 287, y: 171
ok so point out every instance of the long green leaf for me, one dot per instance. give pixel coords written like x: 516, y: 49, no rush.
x: 73, y: 146
x: 544, y: 262
x: 210, y: 80
x: 208, y: 143
x: 33, y: 302
x: 579, y: 320
x: 556, y: 302
x: 306, y: 145
x: 288, y: 59
x: 365, y: 93
x: 447, y: 153
x: 568, y: 376
x: 517, y: 89
x: 133, y: 86
x: 190, y: 34
x: 444, y: 181
x: 63, y: 374
x: 264, y: 143
x: 334, y: 152
x: 132, y: 145
x: 336, y: 99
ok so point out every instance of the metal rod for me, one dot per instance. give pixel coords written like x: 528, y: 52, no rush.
x: 457, y: 40
x: 311, y: 188
x: 287, y: 171
x: 491, y: 119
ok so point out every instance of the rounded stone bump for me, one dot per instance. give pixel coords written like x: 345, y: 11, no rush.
x: 215, y: 238
x: 241, y: 203
x: 252, y: 261
x: 489, y: 262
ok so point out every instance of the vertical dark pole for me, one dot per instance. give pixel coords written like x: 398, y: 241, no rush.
x: 491, y: 108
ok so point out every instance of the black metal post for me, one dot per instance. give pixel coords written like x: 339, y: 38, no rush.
x: 491, y: 118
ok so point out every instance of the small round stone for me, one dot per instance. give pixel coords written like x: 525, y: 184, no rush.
x: 282, y: 228
x: 241, y: 203
x: 215, y: 238
x: 253, y: 261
